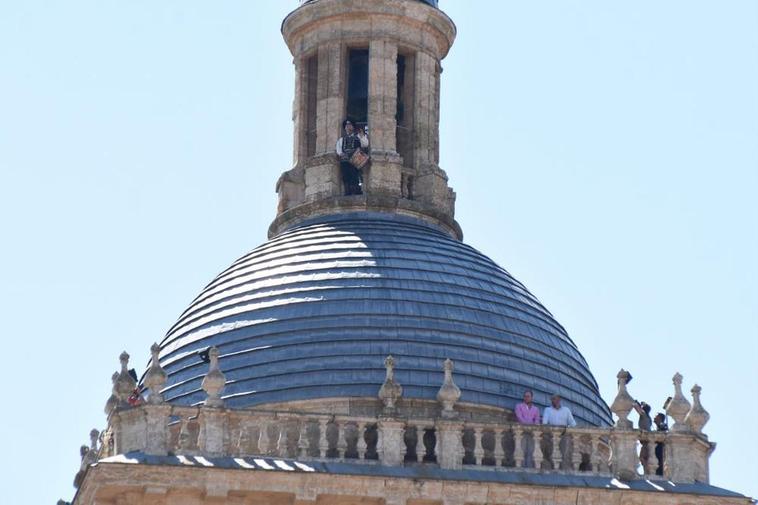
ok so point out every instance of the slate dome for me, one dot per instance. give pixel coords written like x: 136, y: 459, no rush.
x: 313, y: 312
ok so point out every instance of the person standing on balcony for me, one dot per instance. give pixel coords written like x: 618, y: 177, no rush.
x: 555, y: 415
x: 660, y: 449
x: 346, y: 147
x: 645, y: 424
x: 528, y: 413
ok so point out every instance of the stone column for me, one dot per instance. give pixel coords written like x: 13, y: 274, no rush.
x: 299, y: 110
x: 425, y: 117
x: 431, y: 181
x: 450, y: 444
x: 384, y: 176
x: 382, y: 95
x: 322, y: 177
x: 392, y: 443
x: 156, y: 421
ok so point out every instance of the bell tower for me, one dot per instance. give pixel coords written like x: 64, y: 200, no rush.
x: 377, y: 63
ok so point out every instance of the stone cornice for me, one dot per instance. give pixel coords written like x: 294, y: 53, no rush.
x: 364, y: 203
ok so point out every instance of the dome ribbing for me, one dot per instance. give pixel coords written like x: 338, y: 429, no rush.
x: 313, y: 312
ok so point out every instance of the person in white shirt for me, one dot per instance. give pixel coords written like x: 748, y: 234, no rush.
x: 346, y: 146
x: 555, y: 415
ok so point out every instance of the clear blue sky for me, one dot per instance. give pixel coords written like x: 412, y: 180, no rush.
x: 140, y: 142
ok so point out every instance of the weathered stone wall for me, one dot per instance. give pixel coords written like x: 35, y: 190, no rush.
x: 130, y: 484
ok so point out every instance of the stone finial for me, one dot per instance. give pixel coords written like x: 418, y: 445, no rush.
x: 89, y: 457
x: 678, y: 407
x: 449, y: 393
x: 112, y: 402
x: 624, y: 403
x: 391, y: 391
x: 697, y: 417
x: 125, y: 383
x: 214, y: 381
x: 155, y: 378
x: 94, y: 437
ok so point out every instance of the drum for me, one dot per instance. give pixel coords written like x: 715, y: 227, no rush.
x: 359, y: 159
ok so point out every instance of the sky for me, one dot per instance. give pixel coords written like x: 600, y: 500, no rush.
x: 604, y: 153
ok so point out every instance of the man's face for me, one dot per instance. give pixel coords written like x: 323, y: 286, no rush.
x: 556, y: 401
x: 349, y: 128
x: 528, y: 398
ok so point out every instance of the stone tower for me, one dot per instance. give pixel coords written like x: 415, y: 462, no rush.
x: 378, y: 63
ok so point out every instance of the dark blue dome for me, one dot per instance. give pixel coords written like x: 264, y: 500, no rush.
x: 313, y: 312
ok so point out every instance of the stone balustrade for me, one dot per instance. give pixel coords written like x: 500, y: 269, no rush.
x: 207, y: 431
x: 446, y: 440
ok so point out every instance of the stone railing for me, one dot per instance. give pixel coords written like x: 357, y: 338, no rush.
x: 155, y: 427
x: 450, y: 444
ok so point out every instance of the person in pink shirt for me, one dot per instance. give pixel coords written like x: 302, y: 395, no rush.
x: 528, y: 413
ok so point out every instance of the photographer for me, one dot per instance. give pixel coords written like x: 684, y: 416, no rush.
x: 644, y: 424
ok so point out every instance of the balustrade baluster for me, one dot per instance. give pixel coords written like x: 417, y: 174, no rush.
x: 263, y: 439
x: 281, y: 444
x: 499, y: 453
x: 341, y: 440
x: 557, y: 456
x: 651, y: 463
x: 420, y: 449
x: 323, y: 442
x: 519, y: 453
x: 599, y: 463
x: 594, y: 458
x: 302, y: 443
x: 478, y: 449
x: 436, y: 447
x: 576, y: 452
x: 361, y: 445
x: 539, y: 455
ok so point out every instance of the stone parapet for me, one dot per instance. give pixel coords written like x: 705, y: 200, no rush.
x: 395, y: 441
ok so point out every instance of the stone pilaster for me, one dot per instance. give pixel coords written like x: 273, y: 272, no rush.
x: 382, y: 95
x: 450, y: 444
x: 156, y: 424
x: 211, y: 438
x: 625, y: 461
x: 322, y: 176
x: 299, y: 111
x: 392, y: 443
x: 687, y: 458
x: 329, y: 95
x: 131, y: 435
x: 425, y: 116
